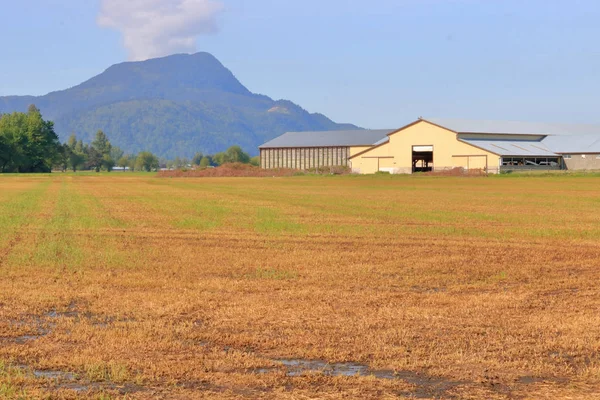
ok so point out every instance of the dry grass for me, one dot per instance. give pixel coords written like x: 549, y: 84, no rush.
x: 132, y: 286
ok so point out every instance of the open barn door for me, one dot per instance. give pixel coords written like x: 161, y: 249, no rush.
x: 422, y: 159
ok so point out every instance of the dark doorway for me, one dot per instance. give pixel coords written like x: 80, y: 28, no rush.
x: 422, y: 159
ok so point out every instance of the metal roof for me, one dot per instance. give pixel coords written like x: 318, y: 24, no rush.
x: 356, y: 137
x: 514, y: 127
x: 512, y: 147
x: 382, y: 141
x: 574, y: 144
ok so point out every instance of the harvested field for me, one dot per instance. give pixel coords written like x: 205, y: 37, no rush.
x: 134, y: 286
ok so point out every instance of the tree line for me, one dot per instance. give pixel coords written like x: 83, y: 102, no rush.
x: 28, y: 143
x: 234, y: 154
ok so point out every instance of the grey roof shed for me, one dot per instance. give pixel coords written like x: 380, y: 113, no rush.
x: 356, y: 137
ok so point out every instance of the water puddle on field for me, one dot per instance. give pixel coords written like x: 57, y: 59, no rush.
x: 297, y: 367
x: 58, y: 375
x: 26, y: 338
x: 72, y: 381
x: 45, y: 323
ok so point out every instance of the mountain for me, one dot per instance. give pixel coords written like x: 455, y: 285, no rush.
x: 172, y: 106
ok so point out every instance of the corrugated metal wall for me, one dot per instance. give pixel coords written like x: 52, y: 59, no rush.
x: 304, y: 157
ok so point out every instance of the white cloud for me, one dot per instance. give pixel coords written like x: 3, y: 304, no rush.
x: 155, y: 28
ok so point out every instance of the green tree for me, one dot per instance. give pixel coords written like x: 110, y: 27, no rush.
x: 28, y: 143
x: 94, y: 158
x: 7, y: 152
x: 236, y: 154
x: 76, y: 153
x: 255, y: 161
x: 62, y: 158
x: 116, y: 153
x: 197, y: 158
x: 102, y: 145
x: 107, y: 162
x: 205, y: 162
x: 123, y: 162
x: 146, y: 161
x: 131, y: 160
x: 219, y: 159
x: 177, y: 163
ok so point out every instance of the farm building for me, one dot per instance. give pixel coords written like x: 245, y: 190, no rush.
x: 438, y: 144
x: 307, y: 150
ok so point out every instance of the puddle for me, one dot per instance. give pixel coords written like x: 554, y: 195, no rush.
x: 298, y: 367
x: 59, y: 375
x: 26, y: 338
x: 426, y: 386
x: 77, y: 387
x: 71, y: 381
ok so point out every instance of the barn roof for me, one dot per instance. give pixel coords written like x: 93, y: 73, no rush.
x: 356, y: 137
x: 574, y: 144
x: 512, y: 147
x: 515, y: 127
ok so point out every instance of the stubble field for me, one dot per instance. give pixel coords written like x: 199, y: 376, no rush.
x: 132, y: 286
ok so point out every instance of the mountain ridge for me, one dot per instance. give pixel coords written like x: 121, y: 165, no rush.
x: 172, y: 106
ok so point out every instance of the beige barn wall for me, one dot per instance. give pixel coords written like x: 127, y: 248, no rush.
x: 446, y: 148
x: 370, y: 162
x: 579, y: 162
x: 357, y: 149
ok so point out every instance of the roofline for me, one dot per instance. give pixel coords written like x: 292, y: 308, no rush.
x: 262, y: 146
x: 406, y: 127
x: 477, y: 147
x: 577, y: 152
x: 316, y: 147
x: 434, y: 124
x: 369, y: 149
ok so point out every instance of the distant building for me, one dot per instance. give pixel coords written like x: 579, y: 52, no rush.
x: 441, y: 144
x: 308, y: 150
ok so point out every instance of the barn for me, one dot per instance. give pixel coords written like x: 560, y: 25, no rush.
x: 308, y: 150
x: 435, y: 144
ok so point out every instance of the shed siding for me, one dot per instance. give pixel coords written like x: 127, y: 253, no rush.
x: 305, y: 157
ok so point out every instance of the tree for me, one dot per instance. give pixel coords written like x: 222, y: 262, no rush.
x: 236, y: 154
x: 132, y: 158
x: 123, y: 162
x: 205, y: 162
x: 219, y: 158
x: 232, y: 155
x: 94, y: 158
x: 63, y: 157
x: 255, y: 161
x: 116, y: 153
x: 28, y: 143
x: 76, y: 153
x: 103, y: 147
x: 197, y: 158
x: 146, y: 161
x: 6, y: 152
x: 107, y: 162
x: 101, y: 143
x: 177, y: 163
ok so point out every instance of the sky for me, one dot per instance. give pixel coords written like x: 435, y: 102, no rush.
x: 377, y: 63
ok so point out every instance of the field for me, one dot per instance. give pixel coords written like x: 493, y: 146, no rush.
x: 133, y: 286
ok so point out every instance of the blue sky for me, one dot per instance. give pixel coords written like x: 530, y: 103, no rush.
x: 378, y: 63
